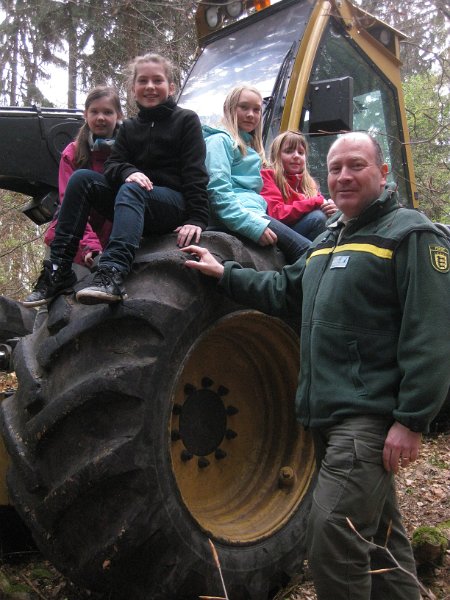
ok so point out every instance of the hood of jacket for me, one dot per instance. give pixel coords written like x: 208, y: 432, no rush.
x: 209, y: 130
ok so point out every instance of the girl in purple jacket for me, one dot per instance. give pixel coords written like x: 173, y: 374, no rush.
x: 90, y: 149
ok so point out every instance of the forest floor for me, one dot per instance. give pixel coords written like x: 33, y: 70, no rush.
x: 424, y: 497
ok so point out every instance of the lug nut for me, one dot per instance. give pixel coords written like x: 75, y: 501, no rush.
x: 219, y: 453
x: 207, y: 382
x: 232, y: 410
x: 176, y: 409
x: 203, y: 462
x: 230, y: 434
x: 175, y: 435
x: 186, y: 455
x: 286, y: 477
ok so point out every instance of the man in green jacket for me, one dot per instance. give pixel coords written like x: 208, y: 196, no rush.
x: 372, y: 294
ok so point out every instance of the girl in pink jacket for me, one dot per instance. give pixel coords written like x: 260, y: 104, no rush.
x: 90, y: 150
x: 291, y: 193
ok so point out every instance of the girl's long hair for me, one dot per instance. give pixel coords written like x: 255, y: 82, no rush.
x: 229, y: 121
x: 82, y: 157
x: 289, y: 140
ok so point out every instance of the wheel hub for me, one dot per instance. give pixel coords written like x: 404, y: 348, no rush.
x: 203, y: 422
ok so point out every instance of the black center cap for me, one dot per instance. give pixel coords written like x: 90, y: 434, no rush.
x: 203, y: 422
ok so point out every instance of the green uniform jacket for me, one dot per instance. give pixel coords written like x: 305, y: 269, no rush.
x: 374, y: 306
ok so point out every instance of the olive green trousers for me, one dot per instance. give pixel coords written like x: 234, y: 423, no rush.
x: 352, y: 483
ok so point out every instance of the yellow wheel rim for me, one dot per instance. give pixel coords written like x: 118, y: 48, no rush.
x: 241, y: 461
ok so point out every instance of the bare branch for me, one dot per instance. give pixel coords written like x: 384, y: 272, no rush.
x: 216, y: 560
x: 428, y: 593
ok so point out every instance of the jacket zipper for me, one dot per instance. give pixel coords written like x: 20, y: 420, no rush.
x: 308, y: 396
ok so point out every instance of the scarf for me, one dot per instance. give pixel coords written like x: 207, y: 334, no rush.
x: 100, y: 144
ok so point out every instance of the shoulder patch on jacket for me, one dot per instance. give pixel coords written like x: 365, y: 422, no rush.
x: 439, y: 258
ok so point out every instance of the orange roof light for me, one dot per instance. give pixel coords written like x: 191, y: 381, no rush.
x: 260, y: 4
x: 214, y: 14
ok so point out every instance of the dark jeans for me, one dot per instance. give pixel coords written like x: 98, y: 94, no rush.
x: 311, y: 225
x: 291, y: 243
x: 134, y: 212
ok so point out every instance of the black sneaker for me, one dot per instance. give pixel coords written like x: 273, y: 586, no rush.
x: 107, y: 287
x: 50, y: 284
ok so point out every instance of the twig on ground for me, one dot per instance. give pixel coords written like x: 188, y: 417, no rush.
x: 428, y: 593
x: 219, y: 568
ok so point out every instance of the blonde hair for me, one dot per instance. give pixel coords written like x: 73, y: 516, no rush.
x: 152, y: 57
x: 229, y: 121
x: 286, y: 141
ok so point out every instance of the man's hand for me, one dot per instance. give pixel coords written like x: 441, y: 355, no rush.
x: 204, y: 262
x: 268, y: 238
x: 187, y: 234
x: 401, y: 447
x: 142, y: 180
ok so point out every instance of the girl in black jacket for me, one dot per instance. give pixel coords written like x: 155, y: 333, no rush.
x: 154, y: 182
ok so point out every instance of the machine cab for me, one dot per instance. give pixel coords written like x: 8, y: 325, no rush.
x: 323, y: 67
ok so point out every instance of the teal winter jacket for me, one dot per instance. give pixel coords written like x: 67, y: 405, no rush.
x: 234, y: 185
x: 374, y: 305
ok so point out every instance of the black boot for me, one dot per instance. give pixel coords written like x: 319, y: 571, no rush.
x: 107, y: 287
x: 51, y: 283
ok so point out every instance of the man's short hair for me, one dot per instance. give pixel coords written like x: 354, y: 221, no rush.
x: 379, y: 158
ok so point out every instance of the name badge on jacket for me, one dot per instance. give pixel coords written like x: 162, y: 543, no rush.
x: 339, y: 262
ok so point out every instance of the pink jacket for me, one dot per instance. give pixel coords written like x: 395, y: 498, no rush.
x: 98, y: 229
x: 295, y: 207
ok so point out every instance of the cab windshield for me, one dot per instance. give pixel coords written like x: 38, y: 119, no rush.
x: 253, y: 54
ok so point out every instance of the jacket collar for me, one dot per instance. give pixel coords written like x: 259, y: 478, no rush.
x: 246, y: 136
x: 385, y: 203
x: 157, y: 113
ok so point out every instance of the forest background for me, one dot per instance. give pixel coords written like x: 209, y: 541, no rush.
x: 92, y: 41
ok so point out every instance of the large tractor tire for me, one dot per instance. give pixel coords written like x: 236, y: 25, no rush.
x: 142, y: 429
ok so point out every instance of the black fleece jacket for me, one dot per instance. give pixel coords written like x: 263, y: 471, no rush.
x: 166, y: 144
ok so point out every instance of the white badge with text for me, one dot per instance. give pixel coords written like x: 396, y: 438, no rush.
x: 339, y: 262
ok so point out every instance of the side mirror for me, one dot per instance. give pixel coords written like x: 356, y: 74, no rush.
x: 331, y: 105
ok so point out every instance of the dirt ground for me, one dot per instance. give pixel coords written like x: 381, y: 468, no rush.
x: 424, y: 496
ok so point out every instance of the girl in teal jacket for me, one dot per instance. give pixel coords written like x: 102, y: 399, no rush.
x: 234, y: 156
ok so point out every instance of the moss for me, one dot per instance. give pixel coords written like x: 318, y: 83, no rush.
x: 429, y: 535
x: 429, y: 545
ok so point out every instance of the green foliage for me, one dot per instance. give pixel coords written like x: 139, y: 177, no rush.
x: 426, y: 25
x: 29, y: 35
x: 97, y: 40
x: 11, y: 591
x: 428, y: 112
x: 21, y: 247
x: 41, y: 573
x: 426, y: 77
